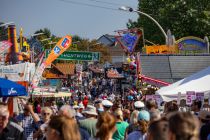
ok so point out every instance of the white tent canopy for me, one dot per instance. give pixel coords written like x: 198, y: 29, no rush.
x: 198, y: 82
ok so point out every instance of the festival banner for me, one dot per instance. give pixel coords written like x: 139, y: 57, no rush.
x: 190, y: 96
x: 4, y: 46
x: 59, y: 48
x: 128, y: 39
x: 18, y: 72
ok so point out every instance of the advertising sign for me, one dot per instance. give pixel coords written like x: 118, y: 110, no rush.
x: 200, y: 96
x: 18, y: 72
x: 80, y: 56
x: 63, y: 44
x: 190, y: 96
x: 59, y: 48
x: 191, y: 43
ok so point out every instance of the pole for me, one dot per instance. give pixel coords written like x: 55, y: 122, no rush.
x: 125, y: 8
x: 160, y: 27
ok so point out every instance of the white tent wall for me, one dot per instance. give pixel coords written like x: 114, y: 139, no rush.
x: 198, y: 82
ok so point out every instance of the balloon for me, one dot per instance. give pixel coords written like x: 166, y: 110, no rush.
x: 128, y: 60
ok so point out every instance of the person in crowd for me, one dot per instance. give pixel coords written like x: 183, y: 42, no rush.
x: 152, y: 108
x: 38, y: 108
x: 54, y: 107
x: 79, y: 115
x: 107, y: 105
x: 89, y: 123
x: 151, y: 105
x: 139, y: 105
x: 154, y: 115
x: 126, y: 115
x: 62, y: 128
x: 196, y: 107
x: 68, y: 111
x: 204, y: 117
x: 158, y: 130
x: 46, y: 113
x: 170, y: 107
x: 143, y: 121
x: 85, y: 101
x: 183, y: 126
x: 120, y: 125
x: 133, y: 126
x: 105, y: 126
x: 8, y: 129
x: 28, y: 120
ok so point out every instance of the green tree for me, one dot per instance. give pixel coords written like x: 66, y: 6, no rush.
x: 182, y: 17
x: 3, y: 33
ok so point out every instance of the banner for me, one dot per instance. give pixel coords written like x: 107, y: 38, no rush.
x: 4, y: 46
x: 38, y: 73
x: 190, y: 96
x: 128, y: 39
x: 59, y: 48
x: 18, y: 72
x: 157, y: 98
x: 200, y: 96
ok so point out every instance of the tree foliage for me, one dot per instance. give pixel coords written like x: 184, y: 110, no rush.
x: 3, y: 33
x: 182, y: 17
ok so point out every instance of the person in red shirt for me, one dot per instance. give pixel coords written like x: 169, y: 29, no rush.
x: 85, y: 101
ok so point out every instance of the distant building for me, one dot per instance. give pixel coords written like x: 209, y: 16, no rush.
x: 115, y: 50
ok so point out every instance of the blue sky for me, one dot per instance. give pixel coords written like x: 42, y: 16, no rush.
x: 63, y: 17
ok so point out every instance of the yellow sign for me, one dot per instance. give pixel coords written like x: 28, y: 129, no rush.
x: 160, y: 49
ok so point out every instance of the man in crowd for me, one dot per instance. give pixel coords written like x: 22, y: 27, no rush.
x: 9, y: 130
x: 28, y: 120
x: 89, y: 123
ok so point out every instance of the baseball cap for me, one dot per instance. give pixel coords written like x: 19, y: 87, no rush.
x: 143, y: 115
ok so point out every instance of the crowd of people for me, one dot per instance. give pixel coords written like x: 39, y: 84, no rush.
x: 104, y: 119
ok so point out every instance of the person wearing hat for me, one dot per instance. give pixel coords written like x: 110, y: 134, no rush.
x: 91, y: 119
x: 107, y: 105
x: 143, y: 121
x: 139, y: 105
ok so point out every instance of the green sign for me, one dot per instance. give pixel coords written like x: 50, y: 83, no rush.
x: 73, y: 55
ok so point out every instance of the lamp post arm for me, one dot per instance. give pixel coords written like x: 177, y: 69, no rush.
x: 142, y: 13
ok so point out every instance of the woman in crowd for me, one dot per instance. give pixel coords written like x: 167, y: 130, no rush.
x: 62, y: 128
x: 143, y: 121
x: 183, y: 126
x: 133, y: 126
x: 120, y: 125
x: 46, y: 113
x: 106, y: 127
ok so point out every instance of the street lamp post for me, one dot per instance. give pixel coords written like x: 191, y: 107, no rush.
x: 125, y: 8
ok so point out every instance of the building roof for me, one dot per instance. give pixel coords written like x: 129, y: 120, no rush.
x: 66, y: 68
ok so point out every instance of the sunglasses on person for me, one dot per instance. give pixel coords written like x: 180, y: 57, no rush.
x: 46, y: 114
